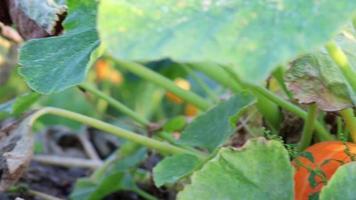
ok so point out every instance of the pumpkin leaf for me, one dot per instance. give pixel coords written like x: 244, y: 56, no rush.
x: 36, y: 18
x: 212, y: 128
x: 53, y: 64
x: 175, y: 124
x: 221, y: 32
x: 173, y: 168
x: 16, y: 146
x: 316, y: 79
x: 232, y: 174
x: 347, y: 41
x: 117, y: 177
x: 342, y: 184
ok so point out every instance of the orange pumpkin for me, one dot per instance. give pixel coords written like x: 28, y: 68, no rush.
x: 328, y: 157
x: 104, y: 71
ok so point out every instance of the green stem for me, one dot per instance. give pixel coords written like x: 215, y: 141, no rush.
x: 116, y: 104
x: 164, y: 82
x: 278, y: 74
x: 340, y: 58
x: 308, y: 127
x: 350, y: 121
x: 218, y: 74
x: 202, y: 84
x: 161, y: 147
x: 323, y: 134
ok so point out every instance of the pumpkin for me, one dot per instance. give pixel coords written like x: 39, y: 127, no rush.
x: 328, y: 157
x: 104, y: 71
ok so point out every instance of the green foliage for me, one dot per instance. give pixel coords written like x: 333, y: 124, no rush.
x: 228, y: 33
x: 173, y: 168
x: 259, y: 170
x: 19, y: 104
x: 251, y: 38
x: 175, y: 124
x: 56, y: 63
x: 119, y: 176
x: 212, y: 128
x: 342, y: 184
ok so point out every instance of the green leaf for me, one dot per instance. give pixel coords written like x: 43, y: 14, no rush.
x: 342, y: 184
x: 259, y: 170
x: 253, y: 36
x: 316, y: 79
x: 117, y: 176
x: 175, y: 124
x: 23, y: 102
x: 20, y: 104
x: 56, y: 63
x: 347, y: 41
x: 173, y: 168
x: 212, y: 128
x: 87, y: 189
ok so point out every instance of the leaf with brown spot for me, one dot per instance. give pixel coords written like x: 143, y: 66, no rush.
x: 316, y: 79
x: 16, y: 150
x: 36, y: 18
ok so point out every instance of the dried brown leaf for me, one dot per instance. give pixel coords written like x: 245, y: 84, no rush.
x: 16, y: 151
x: 36, y: 18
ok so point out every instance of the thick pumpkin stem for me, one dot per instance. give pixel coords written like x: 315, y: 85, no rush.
x: 308, y: 127
x: 350, y: 122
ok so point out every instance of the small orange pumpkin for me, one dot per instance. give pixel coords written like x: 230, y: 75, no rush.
x: 328, y: 157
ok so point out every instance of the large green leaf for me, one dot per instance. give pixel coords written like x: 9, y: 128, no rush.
x: 212, y: 128
x: 342, y: 184
x: 253, y: 36
x: 316, y: 79
x: 173, y: 168
x: 259, y: 170
x: 56, y: 63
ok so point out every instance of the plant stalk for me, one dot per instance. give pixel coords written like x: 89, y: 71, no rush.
x: 164, y: 82
x: 116, y: 104
x: 350, y: 122
x: 322, y: 133
x: 202, y: 84
x: 308, y: 129
x: 340, y: 58
x: 161, y: 147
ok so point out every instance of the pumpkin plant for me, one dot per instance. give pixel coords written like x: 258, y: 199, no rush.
x: 307, y: 48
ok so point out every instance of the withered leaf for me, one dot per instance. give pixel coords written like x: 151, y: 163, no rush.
x: 314, y: 78
x: 16, y: 150
x: 36, y: 18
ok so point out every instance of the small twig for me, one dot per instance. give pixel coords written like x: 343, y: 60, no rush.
x: 88, y: 146
x: 43, y: 195
x: 68, y: 162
